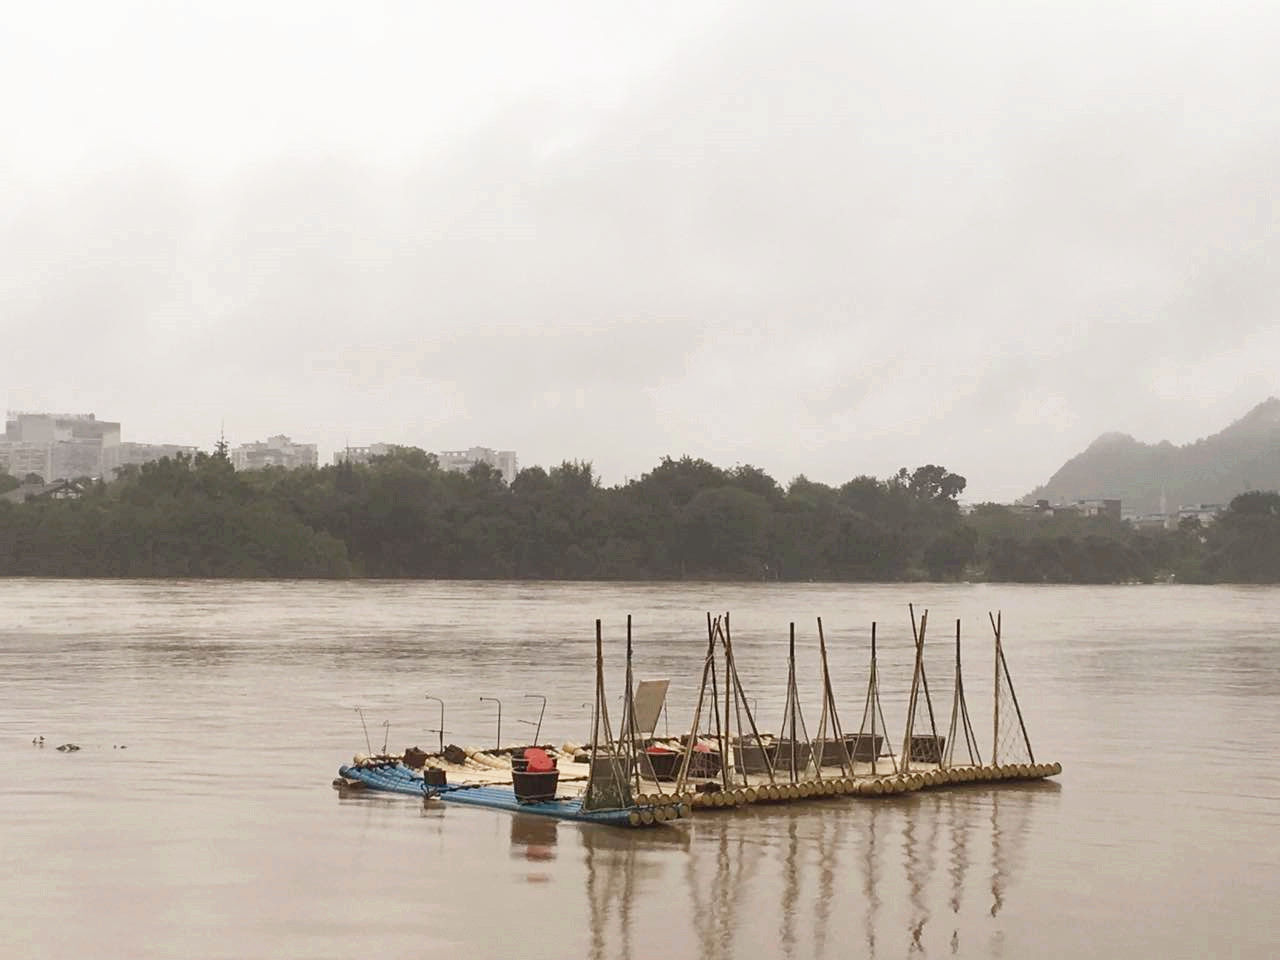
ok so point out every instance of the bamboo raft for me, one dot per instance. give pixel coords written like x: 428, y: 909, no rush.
x: 398, y: 778
x: 720, y: 769
x: 598, y: 791
x: 790, y: 767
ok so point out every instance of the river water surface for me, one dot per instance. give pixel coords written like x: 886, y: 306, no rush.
x: 198, y: 819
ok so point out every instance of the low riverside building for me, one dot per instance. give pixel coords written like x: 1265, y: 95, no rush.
x: 1099, y: 508
x: 58, y: 490
x: 277, y: 451
x: 1083, y: 508
x: 1205, y: 513
x: 460, y: 461
x: 140, y: 453
x: 361, y: 454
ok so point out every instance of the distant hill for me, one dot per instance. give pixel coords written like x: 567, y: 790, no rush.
x: 1244, y: 456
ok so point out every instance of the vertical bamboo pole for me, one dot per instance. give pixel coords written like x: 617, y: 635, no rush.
x: 589, y: 797
x: 875, y: 700
x: 721, y: 740
x: 956, y: 696
x: 595, y: 710
x: 995, y: 709
x: 728, y: 690
x: 822, y: 716
x: 837, y: 730
x: 791, y: 699
x: 633, y: 732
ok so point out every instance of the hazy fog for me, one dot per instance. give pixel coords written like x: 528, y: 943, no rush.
x: 831, y: 239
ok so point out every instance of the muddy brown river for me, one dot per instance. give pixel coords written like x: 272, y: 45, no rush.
x: 198, y: 818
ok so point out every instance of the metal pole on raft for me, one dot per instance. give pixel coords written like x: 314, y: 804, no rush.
x: 537, y: 732
x: 498, y: 745
x: 441, y: 730
x: 366, y: 730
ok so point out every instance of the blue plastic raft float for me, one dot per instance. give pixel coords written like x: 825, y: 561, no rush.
x: 397, y: 778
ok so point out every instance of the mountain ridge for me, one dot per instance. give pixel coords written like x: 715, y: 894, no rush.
x: 1244, y: 455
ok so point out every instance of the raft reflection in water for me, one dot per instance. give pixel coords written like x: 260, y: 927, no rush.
x: 912, y: 875
x: 533, y: 838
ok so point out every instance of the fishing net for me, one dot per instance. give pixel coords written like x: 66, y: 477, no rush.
x: 961, y: 748
x: 609, y: 779
x: 1010, y: 743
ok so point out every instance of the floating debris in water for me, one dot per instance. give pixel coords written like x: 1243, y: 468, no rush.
x: 68, y: 747
x: 38, y: 741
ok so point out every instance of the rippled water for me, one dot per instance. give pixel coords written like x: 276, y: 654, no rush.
x: 198, y: 819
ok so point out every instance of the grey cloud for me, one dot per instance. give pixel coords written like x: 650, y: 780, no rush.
x: 832, y: 242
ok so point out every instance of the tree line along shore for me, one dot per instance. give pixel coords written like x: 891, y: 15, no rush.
x: 402, y: 516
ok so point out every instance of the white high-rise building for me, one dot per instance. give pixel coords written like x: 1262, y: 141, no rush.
x: 61, y: 445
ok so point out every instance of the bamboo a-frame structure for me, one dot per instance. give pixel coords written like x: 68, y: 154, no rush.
x: 919, y: 684
x: 790, y: 739
x: 735, y: 707
x: 830, y: 714
x: 872, y: 710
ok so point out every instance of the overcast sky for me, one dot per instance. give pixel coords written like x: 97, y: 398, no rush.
x: 821, y: 239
